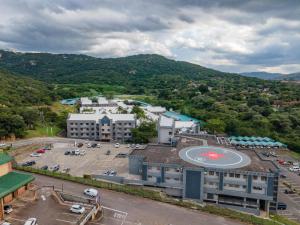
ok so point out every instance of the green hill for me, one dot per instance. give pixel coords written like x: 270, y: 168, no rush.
x: 229, y: 103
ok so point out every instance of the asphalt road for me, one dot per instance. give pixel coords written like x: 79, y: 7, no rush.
x: 42, y: 140
x: 140, y: 211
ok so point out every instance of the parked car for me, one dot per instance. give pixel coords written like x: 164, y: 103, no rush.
x: 282, y: 162
x: 35, y: 154
x: 128, y: 146
x: 44, y: 167
x: 79, y: 145
x: 90, y: 192
x: 82, y: 152
x: 47, y: 147
x: 89, y: 145
x: 294, y: 168
x: 28, y: 163
x: 98, y: 145
x: 8, y: 209
x: 55, y: 168
x: 5, y: 223
x: 286, y: 191
x: 94, y: 145
x: 31, y: 221
x: 121, y: 155
x: 77, y: 152
x: 2, y: 145
x: 282, y: 176
x: 281, y: 206
x: 273, y: 154
x: 108, y: 152
x: 67, y: 152
x: 77, y: 209
x: 137, y: 146
x: 110, y: 173
x: 41, y: 151
x: 266, y: 154
x: 66, y: 170
x: 117, y: 145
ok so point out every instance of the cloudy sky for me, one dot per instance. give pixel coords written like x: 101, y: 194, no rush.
x: 229, y: 35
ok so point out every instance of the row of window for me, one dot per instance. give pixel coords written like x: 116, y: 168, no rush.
x: 87, y: 124
x: 165, y: 168
x: 82, y: 129
x: 166, y: 178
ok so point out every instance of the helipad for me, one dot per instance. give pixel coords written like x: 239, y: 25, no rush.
x: 214, y: 157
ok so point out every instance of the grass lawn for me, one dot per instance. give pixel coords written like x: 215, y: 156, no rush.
x: 58, y: 108
x: 43, y: 131
x: 295, y: 155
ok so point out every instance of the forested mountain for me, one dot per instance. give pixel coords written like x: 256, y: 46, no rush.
x: 229, y: 103
x: 273, y: 76
x: 23, y: 104
x: 22, y: 91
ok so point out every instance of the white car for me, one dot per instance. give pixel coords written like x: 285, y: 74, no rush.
x: 31, y: 221
x: 2, y: 145
x: 89, y: 145
x: 91, y: 192
x: 82, y: 152
x: 35, y: 154
x: 5, y: 223
x: 77, y: 209
x: 117, y: 145
x: 294, y: 169
x: 98, y: 145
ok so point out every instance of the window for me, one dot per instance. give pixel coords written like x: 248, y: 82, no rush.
x: 237, y: 175
x: 87, y: 124
x: 217, y: 173
x: 92, y: 128
x: 244, y: 186
x: 210, y: 196
x: 257, y: 188
x: 245, y: 176
x: 72, y: 134
x: 158, y: 168
x: 129, y: 124
x: 92, y: 124
x: 72, y: 129
x: 177, y: 179
x: 255, y: 177
x: 167, y: 169
x: 149, y: 167
x: 170, y: 133
x: 168, y: 178
x: 225, y: 174
x: 87, y: 128
x: 81, y: 123
x: 81, y: 128
x: 93, y: 134
x: 71, y: 123
x: 231, y: 175
x: 263, y: 178
x: 211, y: 173
x: 149, y: 176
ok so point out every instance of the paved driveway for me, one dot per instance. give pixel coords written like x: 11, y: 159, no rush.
x: 125, y: 209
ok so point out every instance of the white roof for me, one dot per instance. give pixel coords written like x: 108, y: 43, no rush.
x: 96, y: 117
x: 85, y: 101
x: 156, y: 109
x: 102, y: 100
x: 184, y: 124
x: 165, y: 121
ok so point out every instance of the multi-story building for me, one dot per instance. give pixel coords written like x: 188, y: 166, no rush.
x: 169, y: 127
x: 12, y: 183
x: 102, y: 127
x: 99, y: 102
x: 235, y: 179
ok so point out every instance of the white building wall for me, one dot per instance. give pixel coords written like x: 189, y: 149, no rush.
x: 164, y: 135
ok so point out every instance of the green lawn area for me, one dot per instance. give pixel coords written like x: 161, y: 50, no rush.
x: 43, y: 131
x: 295, y: 155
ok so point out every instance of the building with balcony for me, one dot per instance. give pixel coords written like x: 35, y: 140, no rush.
x: 235, y: 179
x: 101, y: 127
x: 12, y: 183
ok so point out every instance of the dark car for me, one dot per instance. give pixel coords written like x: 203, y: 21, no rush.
x: 122, y: 155
x: 281, y: 206
x: 29, y: 163
x: 67, y: 152
x: 8, y: 209
x: 108, y: 152
x: 286, y: 191
x: 79, y: 145
x: 282, y: 176
x: 44, y: 167
x: 266, y: 154
x: 94, y: 145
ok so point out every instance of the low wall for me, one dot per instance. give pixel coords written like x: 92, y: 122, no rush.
x: 116, y: 179
x: 241, y: 209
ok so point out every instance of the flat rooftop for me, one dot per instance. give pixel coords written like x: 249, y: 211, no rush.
x: 171, y: 155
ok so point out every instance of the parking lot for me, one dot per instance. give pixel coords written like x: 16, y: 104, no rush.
x: 89, y: 161
x: 45, y: 208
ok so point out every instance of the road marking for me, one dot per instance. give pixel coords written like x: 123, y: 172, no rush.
x: 66, y: 221
x: 118, y: 214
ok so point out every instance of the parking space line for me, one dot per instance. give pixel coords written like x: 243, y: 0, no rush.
x: 66, y: 221
x: 12, y: 218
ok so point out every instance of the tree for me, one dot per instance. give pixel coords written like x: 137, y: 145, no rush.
x: 138, y: 111
x: 144, y: 132
x: 215, y: 125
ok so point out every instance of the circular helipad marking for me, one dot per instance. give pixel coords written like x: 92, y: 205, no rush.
x: 214, y: 157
